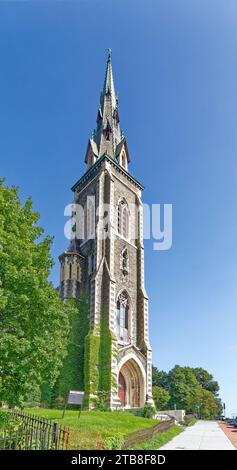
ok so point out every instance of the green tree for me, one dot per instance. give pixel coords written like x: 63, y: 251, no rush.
x: 33, y: 320
x: 186, y: 385
x: 206, y: 380
x: 161, y: 397
x: 159, y: 378
x: 220, y: 409
x: 204, y: 404
x: 181, y: 382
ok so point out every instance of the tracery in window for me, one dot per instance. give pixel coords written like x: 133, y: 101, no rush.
x: 122, y: 317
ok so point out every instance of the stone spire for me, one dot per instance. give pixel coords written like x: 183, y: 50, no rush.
x: 107, y: 134
x: 107, y: 138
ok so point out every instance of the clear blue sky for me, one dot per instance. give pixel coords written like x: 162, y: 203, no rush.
x: 175, y: 71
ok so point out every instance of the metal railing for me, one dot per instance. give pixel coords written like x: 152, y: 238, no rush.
x: 31, y: 432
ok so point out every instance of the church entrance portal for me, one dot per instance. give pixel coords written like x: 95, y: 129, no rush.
x: 131, y: 385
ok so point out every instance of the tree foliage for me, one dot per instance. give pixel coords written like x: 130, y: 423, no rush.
x: 181, y: 382
x: 33, y: 320
x: 159, y: 377
x: 203, y: 403
x: 192, y: 389
x: 206, y: 380
x: 161, y: 398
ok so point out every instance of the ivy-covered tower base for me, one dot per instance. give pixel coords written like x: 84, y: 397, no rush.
x: 105, y: 261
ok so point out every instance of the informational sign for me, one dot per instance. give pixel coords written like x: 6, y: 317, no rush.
x: 75, y: 397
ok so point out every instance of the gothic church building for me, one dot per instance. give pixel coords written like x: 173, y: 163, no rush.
x: 105, y: 263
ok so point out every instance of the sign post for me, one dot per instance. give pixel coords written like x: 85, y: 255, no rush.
x: 75, y: 397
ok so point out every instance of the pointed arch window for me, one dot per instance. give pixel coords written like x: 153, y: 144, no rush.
x: 91, y: 263
x: 108, y: 93
x: 90, y: 217
x: 107, y: 131
x: 123, y: 219
x: 122, y: 317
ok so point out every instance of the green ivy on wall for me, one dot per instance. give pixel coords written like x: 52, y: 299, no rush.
x: 98, y: 360
x: 91, y: 366
x: 72, y: 372
x: 89, y: 360
x: 105, y: 353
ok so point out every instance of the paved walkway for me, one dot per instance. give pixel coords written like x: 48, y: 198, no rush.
x: 204, y: 435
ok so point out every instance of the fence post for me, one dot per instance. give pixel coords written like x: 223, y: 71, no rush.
x: 55, y: 434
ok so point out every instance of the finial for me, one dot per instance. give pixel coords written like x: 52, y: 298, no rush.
x: 109, y: 54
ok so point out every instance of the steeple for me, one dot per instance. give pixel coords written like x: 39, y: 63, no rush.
x: 104, y: 268
x: 108, y: 138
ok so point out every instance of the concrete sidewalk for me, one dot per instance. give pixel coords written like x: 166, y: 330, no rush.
x: 204, y: 435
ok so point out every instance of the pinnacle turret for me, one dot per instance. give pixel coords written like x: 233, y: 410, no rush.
x: 107, y: 138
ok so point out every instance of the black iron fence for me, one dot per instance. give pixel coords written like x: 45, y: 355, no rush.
x: 31, y: 432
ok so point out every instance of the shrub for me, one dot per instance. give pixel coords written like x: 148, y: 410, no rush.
x: 9, y: 423
x: 4, y: 419
x: 59, y: 402
x: 189, y: 421
x: 101, y: 402
x: 113, y: 443
x: 148, y: 411
x: 9, y: 427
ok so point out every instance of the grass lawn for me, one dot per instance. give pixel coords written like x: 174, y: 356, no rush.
x: 159, y: 439
x: 93, y: 424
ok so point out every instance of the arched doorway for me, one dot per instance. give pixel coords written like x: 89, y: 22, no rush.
x: 131, y: 385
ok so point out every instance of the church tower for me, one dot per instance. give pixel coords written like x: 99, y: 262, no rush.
x: 105, y: 261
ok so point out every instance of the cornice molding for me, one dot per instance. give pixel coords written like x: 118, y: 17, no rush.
x: 91, y: 172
